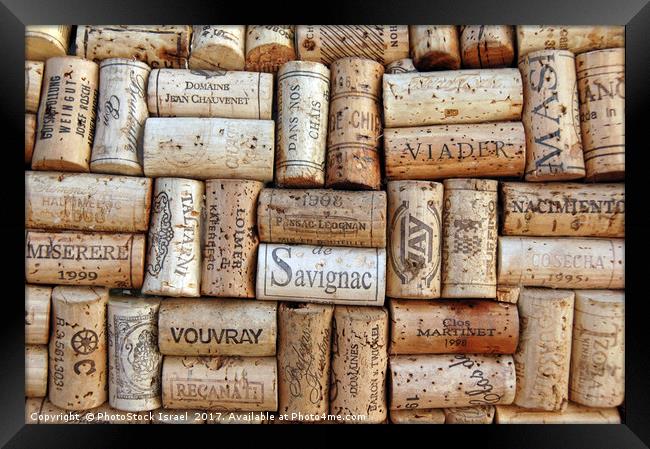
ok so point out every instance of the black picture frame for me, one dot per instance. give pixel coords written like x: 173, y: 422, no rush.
x: 635, y: 14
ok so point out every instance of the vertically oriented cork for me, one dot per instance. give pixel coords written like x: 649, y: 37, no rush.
x: 355, y: 125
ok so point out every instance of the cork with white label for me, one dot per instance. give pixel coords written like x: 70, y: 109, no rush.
x: 321, y: 274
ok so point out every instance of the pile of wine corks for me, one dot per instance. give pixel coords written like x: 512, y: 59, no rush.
x: 324, y: 224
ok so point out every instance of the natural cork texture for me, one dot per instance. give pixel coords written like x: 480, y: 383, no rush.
x: 84, y: 258
x: 598, y: 350
x: 455, y: 151
x: 78, y: 371
x: 301, y: 138
x: 121, y: 113
x: 87, y: 202
x: 66, y: 116
x: 574, y: 263
x: 440, y: 381
x: 563, y: 209
x: 218, y: 47
x: 414, y: 236
x: 453, y: 327
x: 434, y: 47
x: 551, y: 117
x: 469, y: 239
x: 355, y: 125
x: 452, y: 97
x: 359, y: 363
x: 544, y: 352
x: 174, y: 257
x: 487, y: 46
x: 601, y: 90
x: 304, y: 336
x: 158, y: 46
x: 230, y: 238
x: 322, y: 217
x: 134, y: 361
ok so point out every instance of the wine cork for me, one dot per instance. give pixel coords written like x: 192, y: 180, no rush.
x: 155, y: 45
x: 164, y: 416
x: 359, y: 363
x: 33, y: 409
x: 209, y: 148
x: 46, y: 41
x: 321, y: 274
x: 30, y: 137
x: 414, y: 232
x: 269, y: 46
x: 84, y: 258
x: 218, y: 47
x: 469, y: 239
x: 453, y: 327
x: 601, y: 93
x: 355, y: 125
x: 214, y: 417
x: 104, y: 414
x: 452, y: 97
x: 508, y: 293
x: 480, y: 414
x: 201, y: 93
x: 574, y: 414
x: 327, y: 43
x: 78, y: 347
x: 217, y: 327
x: 35, y: 371
x: 550, y: 116
x: 577, y: 39
x: 487, y: 46
x: 220, y: 383
x: 453, y: 151
x: 174, y: 257
x: 66, y: 116
x: 575, y: 263
x: 305, y: 216
x: 230, y: 238
x: 429, y: 416
x: 598, y: 354
x: 33, y: 81
x: 544, y: 352
x: 303, y: 105
x: 37, y: 314
x: 304, y: 359
x: 134, y: 362
x: 401, y: 66
x: 563, y: 209
x: 86, y: 202
x: 121, y: 113
x: 461, y: 380
x: 434, y: 47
